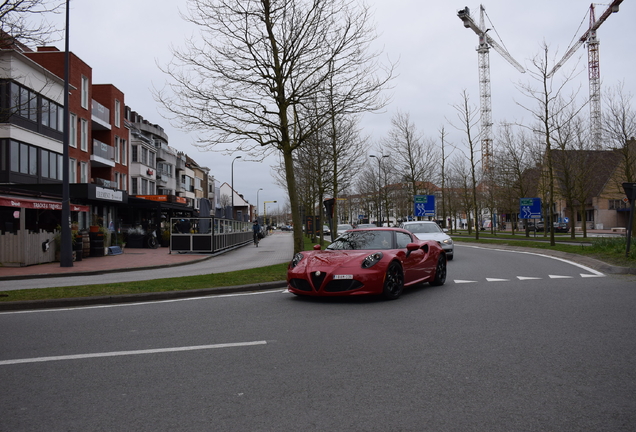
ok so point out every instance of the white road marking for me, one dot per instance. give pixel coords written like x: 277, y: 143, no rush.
x: 528, y: 278
x: 497, y: 280
x: 127, y: 353
x: 590, y: 275
x: 559, y: 277
x: 588, y: 269
x: 464, y: 281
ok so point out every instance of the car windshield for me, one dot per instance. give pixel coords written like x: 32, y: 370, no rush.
x: 363, y: 240
x: 418, y: 228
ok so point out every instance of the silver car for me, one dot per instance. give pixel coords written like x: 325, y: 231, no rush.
x: 342, y: 228
x: 429, y: 230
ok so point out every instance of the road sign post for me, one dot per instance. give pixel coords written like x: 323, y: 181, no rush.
x: 424, y: 205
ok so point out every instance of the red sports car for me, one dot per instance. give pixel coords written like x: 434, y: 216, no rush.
x: 367, y: 261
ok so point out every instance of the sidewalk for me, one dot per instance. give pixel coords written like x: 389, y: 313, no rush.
x: 279, y: 245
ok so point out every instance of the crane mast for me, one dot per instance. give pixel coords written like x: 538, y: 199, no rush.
x: 483, y: 51
x: 593, y: 66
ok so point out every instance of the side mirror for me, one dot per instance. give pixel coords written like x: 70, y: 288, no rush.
x: 316, y: 247
x: 412, y: 247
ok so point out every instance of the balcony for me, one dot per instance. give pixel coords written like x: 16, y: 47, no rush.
x: 103, y: 155
x: 100, y: 116
x: 105, y: 183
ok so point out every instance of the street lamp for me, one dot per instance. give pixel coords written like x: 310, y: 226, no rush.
x: 265, y: 209
x: 238, y: 157
x: 379, y: 159
x: 257, y: 200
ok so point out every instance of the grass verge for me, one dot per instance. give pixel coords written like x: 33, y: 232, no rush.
x: 273, y: 273
x: 606, y: 249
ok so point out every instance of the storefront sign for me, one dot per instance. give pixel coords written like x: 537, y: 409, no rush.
x: 41, y: 205
x: 109, y: 194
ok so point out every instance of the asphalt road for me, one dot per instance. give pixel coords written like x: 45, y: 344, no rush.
x: 512, y: 342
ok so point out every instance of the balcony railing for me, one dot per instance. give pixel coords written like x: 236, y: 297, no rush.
x: 100, y: 111
x: 103, y: 155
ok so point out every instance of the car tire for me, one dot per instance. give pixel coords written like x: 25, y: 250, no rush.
x: 393, y: 282
x: 440, y: 271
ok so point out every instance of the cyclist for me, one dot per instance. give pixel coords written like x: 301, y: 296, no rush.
x: 256, y: 228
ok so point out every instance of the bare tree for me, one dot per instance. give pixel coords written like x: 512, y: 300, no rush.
x: 467, y: 115
x: 512, y: 158
x: 23, y: 22
x: 548, y: 113
x: 619, y: 124
x: 412, y: 156
x: 261, y: 65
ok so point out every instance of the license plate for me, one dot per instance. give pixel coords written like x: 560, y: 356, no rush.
x: 343, y: 276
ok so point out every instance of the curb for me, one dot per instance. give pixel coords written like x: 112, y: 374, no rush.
x: 135, y: 298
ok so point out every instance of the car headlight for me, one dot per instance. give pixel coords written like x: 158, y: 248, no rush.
x: 297, y: 258
x: 447, y: 241
x: 372, y: 259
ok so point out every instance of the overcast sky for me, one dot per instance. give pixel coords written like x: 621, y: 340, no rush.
x: 124, y: 40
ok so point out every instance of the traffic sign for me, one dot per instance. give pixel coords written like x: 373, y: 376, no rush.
x: 530, y: 208
x: 424, y: 205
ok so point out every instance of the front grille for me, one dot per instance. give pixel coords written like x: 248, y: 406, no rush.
x: 300, y: 284
x: 342, y: 285
x: 317, y: 280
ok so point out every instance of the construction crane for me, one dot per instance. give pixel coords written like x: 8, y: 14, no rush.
x: 593, y: 66
x: 485, y: 43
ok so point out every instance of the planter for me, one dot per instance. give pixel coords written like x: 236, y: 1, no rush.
x: 94, y: 228
x: 97, y: 244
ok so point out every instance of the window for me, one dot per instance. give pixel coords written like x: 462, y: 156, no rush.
x: 83, y: 172
x: 72, y: 170
x: 84, y: 100
x: 116, y: 149
x: 133, y: 186
x: 144, y: 156
x: 24, y: 158
x: 72, y: 131
x: 124, y: 152
x: 144, y: 186
x: 152, y: 187
x: 117, y: 113
x: 151, y: 159
x: 135, y: 153
x: 45, y: 112
x: 51, y: 165
x: 617, y: 204
x: 84, y: 135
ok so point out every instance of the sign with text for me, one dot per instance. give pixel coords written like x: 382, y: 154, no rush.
x: 424, y: 205
x: 530, y: 208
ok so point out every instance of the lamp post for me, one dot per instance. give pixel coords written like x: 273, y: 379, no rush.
x: 379, y: 159
x: 265, y: 210
x: 238, y: 157
x: 257, y: 200
x: 66, y: 246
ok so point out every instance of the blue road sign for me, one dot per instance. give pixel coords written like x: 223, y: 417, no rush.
x: 530, y: 208
x: 424, y: 205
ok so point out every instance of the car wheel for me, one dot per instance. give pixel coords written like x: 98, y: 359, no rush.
x: 393, y: 282
x: 440, y: 272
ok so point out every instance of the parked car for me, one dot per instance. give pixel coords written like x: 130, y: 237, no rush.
x: 342, y: 228
x: 379, y: 261
x: 430, y: 230
x: 325, y: 230
x: 561, y: 227
x: 368, y: 225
